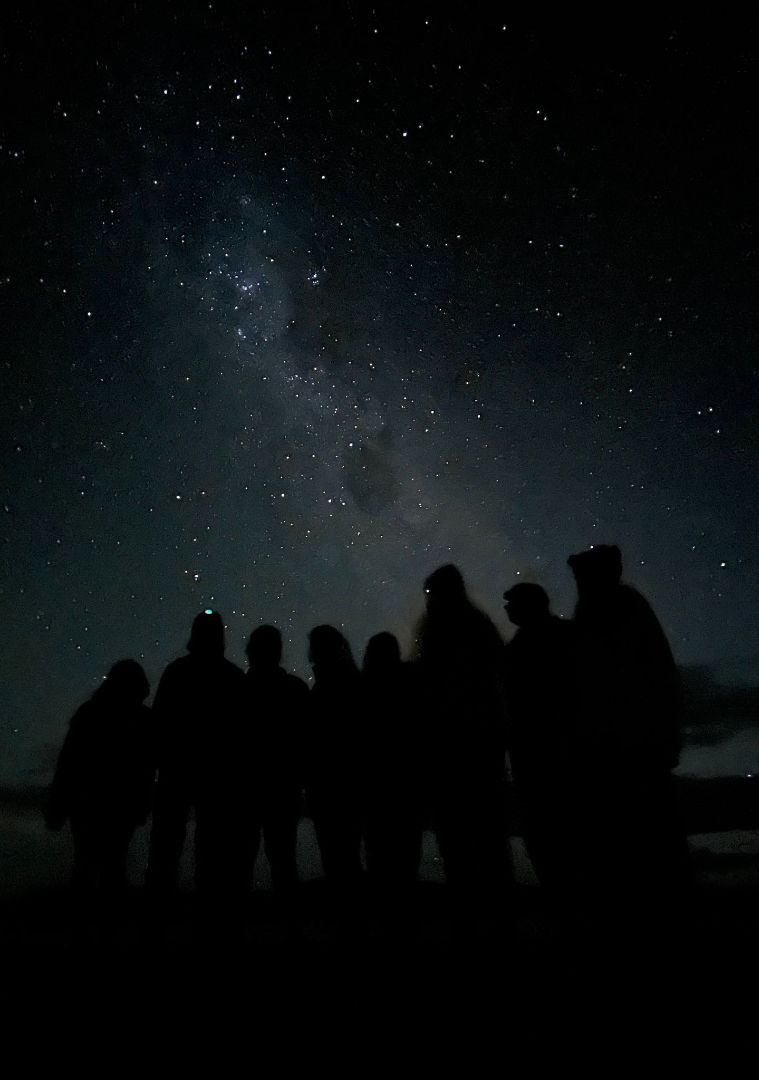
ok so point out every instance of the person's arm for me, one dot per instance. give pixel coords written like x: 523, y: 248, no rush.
x: 148, y: 765
x: 301, y: 705
x: 162, y: 715
x: 58, y: 804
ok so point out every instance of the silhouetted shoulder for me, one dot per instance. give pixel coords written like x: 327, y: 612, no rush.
x: 84, y: 717
x: 189, y: 668
x: 486, y: 628
x: 174, y: 674
x: 296, y: 687
x: 562, y: 632
x: 175, y: 668
x: 232, y: 671
x: 551, y: 632
x: 634, y: 602
x: 344, y: 682
x: 638, y: 613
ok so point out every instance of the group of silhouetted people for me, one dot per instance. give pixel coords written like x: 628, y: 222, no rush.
x: 587, y: 710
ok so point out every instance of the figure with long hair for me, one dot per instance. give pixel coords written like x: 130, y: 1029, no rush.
x: 103, y: 784
x: 394, y: 774
x: 541, y: 695
x: 277, y: 704
x: 335, y: 765
x: 460, y: 657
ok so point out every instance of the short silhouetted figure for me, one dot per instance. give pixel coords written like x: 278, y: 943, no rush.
x: 200, y: 712
x: 541, y: 695
x: 631, y: 740
x: 393, y: 771
x: 277, y: 705
x: 460, y: 656
x: 335, y: 765
x: 103, y: 782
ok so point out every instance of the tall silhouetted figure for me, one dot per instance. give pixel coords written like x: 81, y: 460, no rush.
x: 541, y: 694
x: 460, y: 655
x: 335, y: 766
x: 631, y: 742
x: 393, y: 773
x: 199, y: 709
x: 103, y: 784
x: 277, y: 705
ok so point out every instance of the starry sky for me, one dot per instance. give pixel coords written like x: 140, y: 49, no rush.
x: 297, y: 307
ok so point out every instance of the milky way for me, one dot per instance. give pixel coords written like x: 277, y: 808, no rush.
x: 299, y: 310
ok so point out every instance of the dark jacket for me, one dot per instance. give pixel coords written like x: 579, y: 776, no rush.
x: 541, y: 694
x: 629, y: 681
x: 106, y: 767
x: 200, y: 712
x: 276, y: 713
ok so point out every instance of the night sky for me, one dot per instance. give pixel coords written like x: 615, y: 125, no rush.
x: 297, y: 307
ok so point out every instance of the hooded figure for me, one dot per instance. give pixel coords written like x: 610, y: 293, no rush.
x: 336, y: 757
x: 393, y: 771
x: 631, y: 684
x: 104, y: 778
x: 628, y: 737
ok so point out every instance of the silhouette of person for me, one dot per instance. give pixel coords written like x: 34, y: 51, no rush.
x: 460, y: 657
x: 200, y: 711
x: 277, y: 705
x: 103, y: 783
x: 393, y: 836
x: 540, y: 680
x: 631, y: 702
x: 335, y: 767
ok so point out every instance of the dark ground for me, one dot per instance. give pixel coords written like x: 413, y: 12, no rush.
x: 445, y: 991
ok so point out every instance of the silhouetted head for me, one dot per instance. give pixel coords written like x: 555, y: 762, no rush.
x: 264, y: 649
x: 598, y: 570
x: 526, y: 604
x: 445, y: 588
x: 382, y: 655
x: 207, y: 635
x: 126, y: 681
x: 329, y: 649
